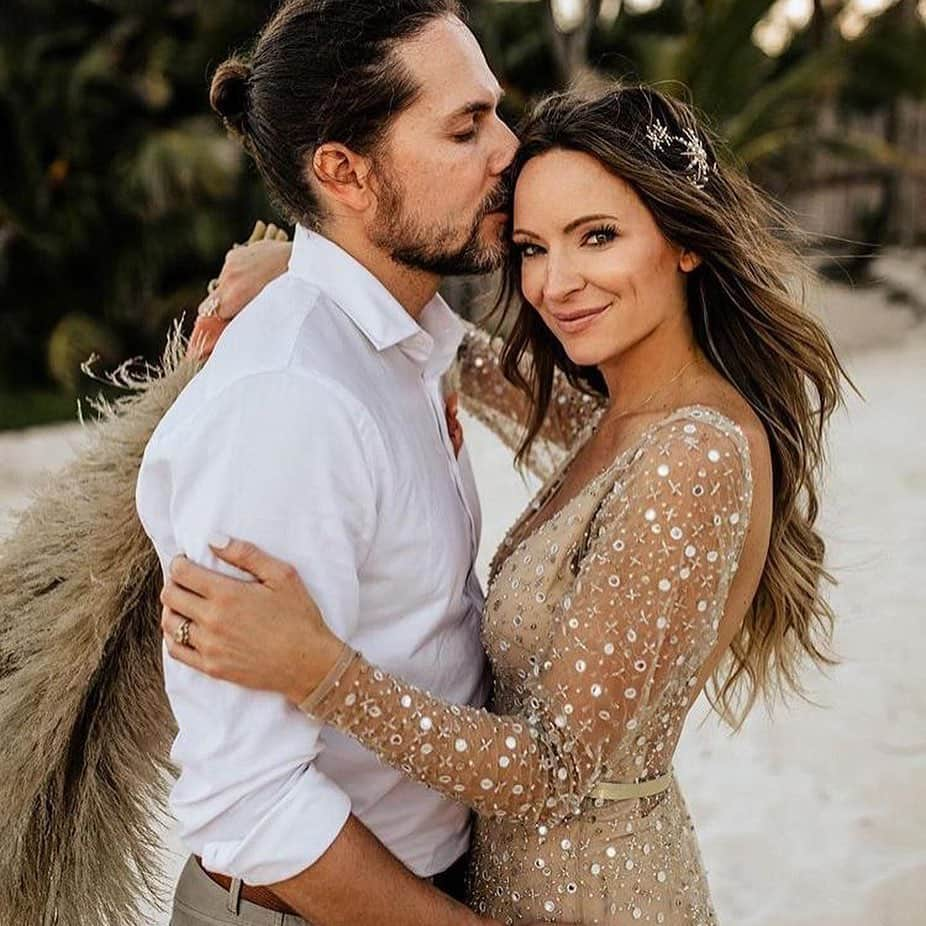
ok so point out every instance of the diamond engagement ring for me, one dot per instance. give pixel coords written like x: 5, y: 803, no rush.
x: 210, y: 306
x: 182, y: 633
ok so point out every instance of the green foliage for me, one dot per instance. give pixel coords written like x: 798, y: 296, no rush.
x: 75, y: 339
x: 119, y: 191
x: 890, y: 58
x: 29, y: 408
x: 515, y: 42
x: 767, y: 109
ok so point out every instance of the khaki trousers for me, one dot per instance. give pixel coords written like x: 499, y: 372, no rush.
x: 199, y: 901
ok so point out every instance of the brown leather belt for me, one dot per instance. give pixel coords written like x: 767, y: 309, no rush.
x: 252, y: 893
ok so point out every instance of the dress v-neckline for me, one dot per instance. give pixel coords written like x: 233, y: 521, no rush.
x: 555, y: 482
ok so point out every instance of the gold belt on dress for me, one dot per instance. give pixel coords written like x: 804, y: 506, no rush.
x: 628, y: 790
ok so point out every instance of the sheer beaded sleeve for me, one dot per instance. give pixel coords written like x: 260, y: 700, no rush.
x: 628, y: 640
x: 503, y: 408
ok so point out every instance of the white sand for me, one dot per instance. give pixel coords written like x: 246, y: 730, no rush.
x: 820, y: 816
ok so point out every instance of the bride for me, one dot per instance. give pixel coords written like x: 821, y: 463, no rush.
x: 661, y: 374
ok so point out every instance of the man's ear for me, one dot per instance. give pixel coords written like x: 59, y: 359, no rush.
x: 689, y: 261
x: 343, y: 175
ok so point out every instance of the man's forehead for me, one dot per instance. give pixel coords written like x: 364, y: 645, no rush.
x: 450, y: 68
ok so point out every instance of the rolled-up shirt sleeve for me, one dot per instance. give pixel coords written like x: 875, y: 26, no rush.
x: 287, y: 461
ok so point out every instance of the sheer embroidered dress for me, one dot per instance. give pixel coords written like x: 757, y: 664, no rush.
x: 598, y: 620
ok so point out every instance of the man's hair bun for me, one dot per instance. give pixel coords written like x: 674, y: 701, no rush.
x: 229, y: 94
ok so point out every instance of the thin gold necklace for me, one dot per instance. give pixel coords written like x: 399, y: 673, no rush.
x: 653, y: 394
x: 531, y: 518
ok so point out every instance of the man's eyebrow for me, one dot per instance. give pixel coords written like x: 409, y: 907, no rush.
x: 476, y: 107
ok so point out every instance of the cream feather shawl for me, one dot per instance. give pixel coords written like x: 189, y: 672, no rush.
x: 85, y: 727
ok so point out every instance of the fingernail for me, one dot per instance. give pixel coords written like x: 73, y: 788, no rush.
x: 219, y: 541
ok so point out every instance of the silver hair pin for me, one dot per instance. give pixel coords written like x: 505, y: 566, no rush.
x: 698, y: 168
x: 658, y: 136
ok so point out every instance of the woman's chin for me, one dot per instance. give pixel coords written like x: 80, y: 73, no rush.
x: 583, y: 355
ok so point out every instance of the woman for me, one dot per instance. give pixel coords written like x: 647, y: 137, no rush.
x: 658, y: 351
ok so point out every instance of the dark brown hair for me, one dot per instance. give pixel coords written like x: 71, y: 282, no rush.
x: 321, y: 70
x: 748, y: 321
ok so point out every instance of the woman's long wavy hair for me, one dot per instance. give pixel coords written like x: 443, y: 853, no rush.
x: 746, y: 303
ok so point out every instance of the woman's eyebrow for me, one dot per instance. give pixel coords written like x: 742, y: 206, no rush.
x: 575, y: 223
x: 572, y: 226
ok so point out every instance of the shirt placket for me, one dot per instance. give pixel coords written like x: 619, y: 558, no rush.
x: 432, y: 385
x: 419, y: 348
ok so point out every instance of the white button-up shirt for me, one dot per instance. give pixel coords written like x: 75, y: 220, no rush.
x: 317, y: 431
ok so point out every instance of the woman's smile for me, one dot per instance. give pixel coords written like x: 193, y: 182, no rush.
x: 578, y: 320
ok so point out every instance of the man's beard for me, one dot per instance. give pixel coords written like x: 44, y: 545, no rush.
x: 409, y: 242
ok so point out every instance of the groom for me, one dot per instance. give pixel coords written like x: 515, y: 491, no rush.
x: 317, y: 431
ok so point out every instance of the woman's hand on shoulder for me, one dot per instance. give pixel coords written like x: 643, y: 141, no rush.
x: 247, y: 269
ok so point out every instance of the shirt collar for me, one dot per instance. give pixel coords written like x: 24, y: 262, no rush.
x: 431, y: 342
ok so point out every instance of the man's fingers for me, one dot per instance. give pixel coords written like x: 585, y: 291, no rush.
x: 271, y: 231
x: 282, y: 234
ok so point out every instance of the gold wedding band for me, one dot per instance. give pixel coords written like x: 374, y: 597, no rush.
x: 182, y: 633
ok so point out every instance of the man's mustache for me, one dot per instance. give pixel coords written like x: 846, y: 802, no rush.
x: 499, y: 200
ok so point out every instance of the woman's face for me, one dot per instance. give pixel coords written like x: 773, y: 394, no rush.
x: 593, y: 262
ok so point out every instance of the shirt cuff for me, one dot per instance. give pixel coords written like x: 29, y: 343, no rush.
x: 290, y: 838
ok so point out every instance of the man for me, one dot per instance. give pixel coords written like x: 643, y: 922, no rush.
x: 317, y: 431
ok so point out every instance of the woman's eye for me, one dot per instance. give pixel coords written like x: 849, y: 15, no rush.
x: 527, y: 250
x: 599, y: 236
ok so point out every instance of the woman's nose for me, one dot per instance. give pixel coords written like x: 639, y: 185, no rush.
x: 561, y: 280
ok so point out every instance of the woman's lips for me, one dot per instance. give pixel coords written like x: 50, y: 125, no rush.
x: 574, y: 322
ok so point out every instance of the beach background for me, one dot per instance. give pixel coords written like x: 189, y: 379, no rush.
x: 815, y: 816
x: 121, y: 192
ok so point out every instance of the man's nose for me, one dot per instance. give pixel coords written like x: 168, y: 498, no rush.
x: 507, y: 146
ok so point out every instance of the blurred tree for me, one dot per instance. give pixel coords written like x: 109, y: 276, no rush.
x: 118, y: 192
x: 887, y: 74
x: 764, y: 106
x: 771, y: 109
x: 570, y: 24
